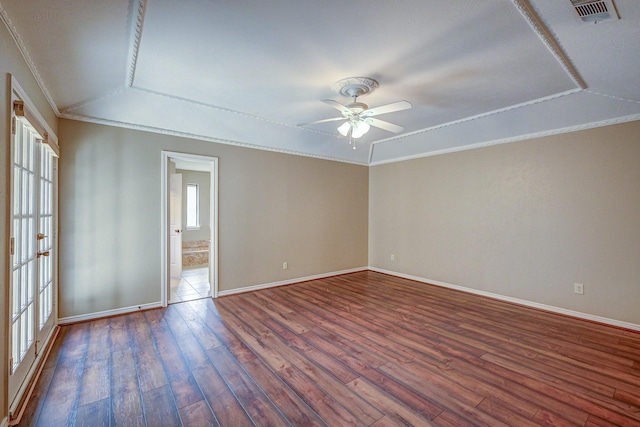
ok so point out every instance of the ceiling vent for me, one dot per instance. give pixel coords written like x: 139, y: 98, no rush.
x: 595, y: 11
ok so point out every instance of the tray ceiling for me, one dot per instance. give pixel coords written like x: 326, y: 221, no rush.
x: 476, y: 73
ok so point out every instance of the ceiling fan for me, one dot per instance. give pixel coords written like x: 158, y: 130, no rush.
x: 359, y: 117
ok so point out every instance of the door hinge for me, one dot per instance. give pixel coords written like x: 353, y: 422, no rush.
x: 11, y: 364
x: 36, y: 346
x: 13, y: 125
x: 12, y: 248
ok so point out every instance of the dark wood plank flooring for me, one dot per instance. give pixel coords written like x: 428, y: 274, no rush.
x: 360, y: 349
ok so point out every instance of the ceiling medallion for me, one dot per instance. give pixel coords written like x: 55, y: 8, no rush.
x: 355, y: 86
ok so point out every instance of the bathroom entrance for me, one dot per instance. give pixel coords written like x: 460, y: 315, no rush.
x: 190, y: 227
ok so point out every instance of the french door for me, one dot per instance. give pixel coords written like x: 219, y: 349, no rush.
x: 33, y: 250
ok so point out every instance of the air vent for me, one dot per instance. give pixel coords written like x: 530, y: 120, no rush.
x: 595, y: 11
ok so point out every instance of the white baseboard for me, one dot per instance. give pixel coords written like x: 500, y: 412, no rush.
x: 107, y: 313
x: 553, y: 309
x: 125, y: 310
x: 4, y: 422
x: 289, y: 281
x: 550, y: 308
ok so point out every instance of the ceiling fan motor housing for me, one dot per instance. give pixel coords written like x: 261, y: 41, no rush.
x: 356, y: 108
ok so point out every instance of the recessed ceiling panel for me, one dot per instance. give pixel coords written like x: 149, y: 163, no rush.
x: 276, y: 60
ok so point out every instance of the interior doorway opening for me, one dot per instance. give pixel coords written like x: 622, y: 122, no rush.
x: 189, y: 227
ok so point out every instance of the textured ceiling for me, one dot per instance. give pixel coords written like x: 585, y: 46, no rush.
x: 247, y: 73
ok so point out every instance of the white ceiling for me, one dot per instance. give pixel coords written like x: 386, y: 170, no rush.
x: 246, y: 73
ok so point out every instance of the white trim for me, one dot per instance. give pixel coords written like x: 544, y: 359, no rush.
x: 617, y: 98
x: 137, y: 22
x: 370, y: 158
x: 33, y: 375
x: 161, y: 131
x: 18, y: 93
x: 22, y: 95
x: 65, y: 111
x: 5, y: 422
x: 553, y: 309
x: 213, y: 107
x: 107, y: 313
x: 530, y: 15
x: 568, y: 129
x: 164, y: 230
x: 197, y: 207
x: 483, y: 115
x: 539, y: 306
x: 164, y: 219
x: 290, y: 281
x: 213, y: 225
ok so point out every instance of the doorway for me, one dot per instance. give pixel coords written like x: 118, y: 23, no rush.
x: 33, y: 253
x: 189, y: 227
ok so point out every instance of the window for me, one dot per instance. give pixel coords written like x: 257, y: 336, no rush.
x: 193, y: 206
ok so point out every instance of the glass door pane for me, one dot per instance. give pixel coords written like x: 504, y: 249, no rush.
x: 33, y: 251
x: 24, y: 258
x: 45, y: 237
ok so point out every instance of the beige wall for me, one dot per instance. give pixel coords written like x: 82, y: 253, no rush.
x: 272, y: 208
x: 525, y: 220
x: 11, y: 62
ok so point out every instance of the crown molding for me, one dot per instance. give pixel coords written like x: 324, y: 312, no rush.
x: 89, y: 101
x: 558, y: 131
x: 137, y: 22
x: 482, y: 115
x: 162, y: 131
x: 4, y: 16
x: 213, y: 107
x: 617, y: 98
x: 548, y: 38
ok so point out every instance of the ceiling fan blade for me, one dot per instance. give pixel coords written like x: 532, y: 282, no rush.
x: 336, y: 105
x: 334, y: 119
x: 388, y: 108
x: 384, y: 125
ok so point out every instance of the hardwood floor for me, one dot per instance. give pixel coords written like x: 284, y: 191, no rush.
x: 359, y: 349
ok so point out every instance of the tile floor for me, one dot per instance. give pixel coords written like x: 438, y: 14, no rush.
x: 193, y: 284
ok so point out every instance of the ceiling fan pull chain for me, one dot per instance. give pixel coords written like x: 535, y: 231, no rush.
x: 351, y: 138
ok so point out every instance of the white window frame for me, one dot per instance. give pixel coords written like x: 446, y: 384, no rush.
x: 197, y: 207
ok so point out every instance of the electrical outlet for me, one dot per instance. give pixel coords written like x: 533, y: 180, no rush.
x: 578, y: 288
x: 285, y: 265
x: 393, y: 257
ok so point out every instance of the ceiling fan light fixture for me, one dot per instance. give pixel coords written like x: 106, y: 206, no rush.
x: 357, y: 127
x: 360, y: 128
x: 344, y: 128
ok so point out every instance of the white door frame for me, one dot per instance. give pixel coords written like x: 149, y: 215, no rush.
x: 17, y: 387
x: 175, y: 226
x: 164, y: 234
